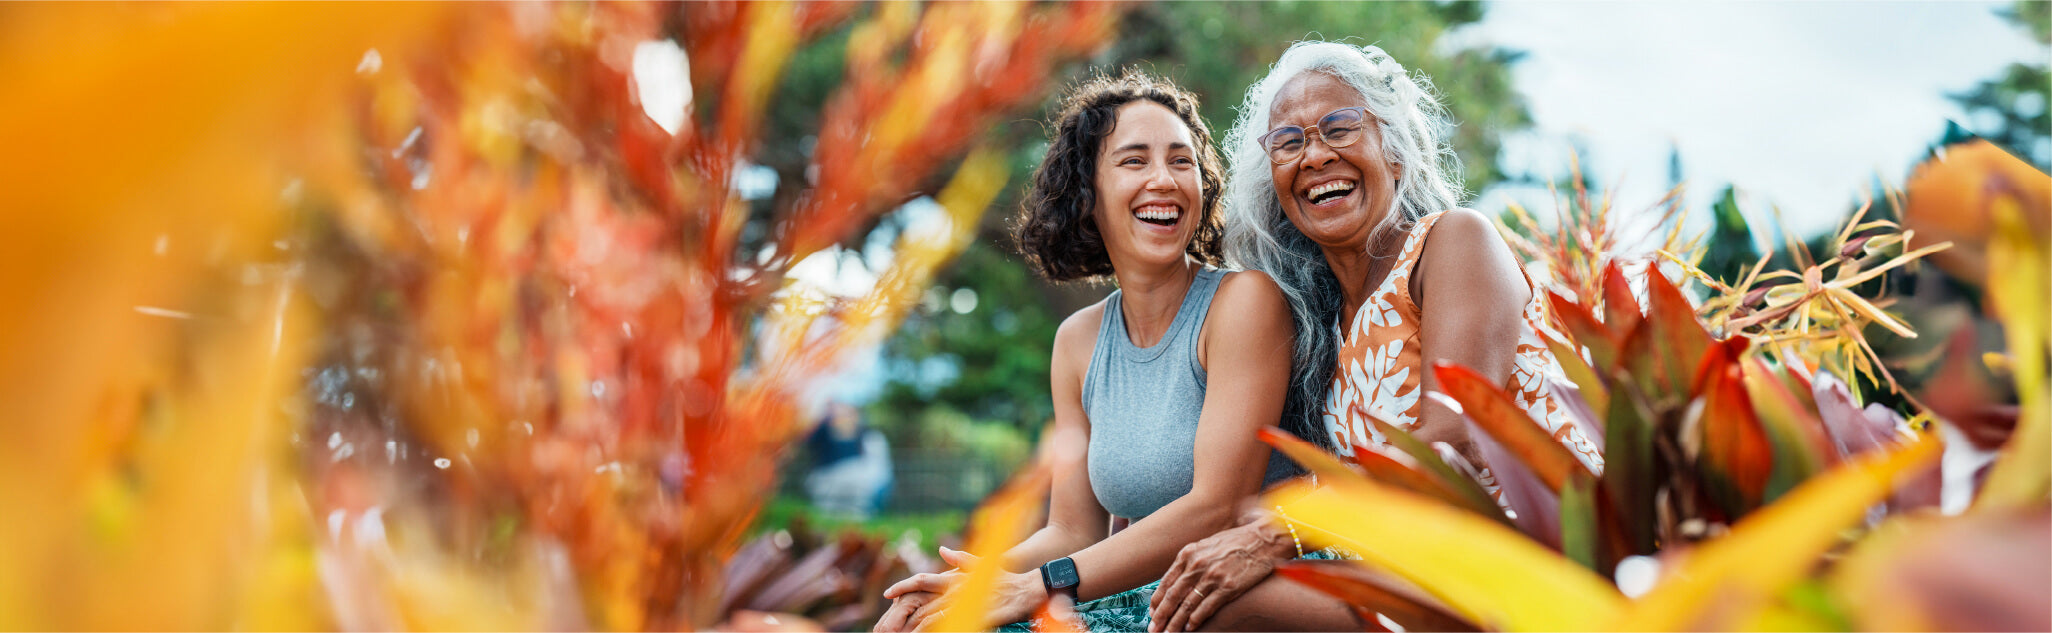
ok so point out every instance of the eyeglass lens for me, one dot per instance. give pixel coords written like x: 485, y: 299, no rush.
x: 1338, y: 128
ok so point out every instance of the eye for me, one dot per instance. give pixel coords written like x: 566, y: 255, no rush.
x: 1340, y: 133
x: 1131, y: 160
x: 1185, y: 160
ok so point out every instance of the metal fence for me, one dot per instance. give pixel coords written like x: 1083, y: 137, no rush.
x: 922, y: 480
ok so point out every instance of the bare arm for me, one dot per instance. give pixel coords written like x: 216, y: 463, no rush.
x: 1074, y: 518
x: 1472, y: 295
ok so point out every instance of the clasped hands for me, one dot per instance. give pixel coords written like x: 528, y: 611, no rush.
x: 918, y: 602
x: 1205, y: 576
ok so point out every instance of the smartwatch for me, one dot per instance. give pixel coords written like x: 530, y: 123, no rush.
x: 1059, y: 575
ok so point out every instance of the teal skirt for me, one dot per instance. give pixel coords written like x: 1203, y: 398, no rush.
x: 1123, y: 612
x: 1126, y: 612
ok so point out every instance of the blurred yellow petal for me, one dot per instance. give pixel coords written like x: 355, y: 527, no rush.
x: 2019, y: 282
x: 1492, y: 574
x: 997, y: 526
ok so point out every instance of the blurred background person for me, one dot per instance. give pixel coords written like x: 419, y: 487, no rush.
x: 851, y: 468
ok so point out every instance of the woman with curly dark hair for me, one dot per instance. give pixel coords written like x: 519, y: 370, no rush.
x: 1159, y: 389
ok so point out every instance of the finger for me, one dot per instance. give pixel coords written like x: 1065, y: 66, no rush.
x: 1173, y: 581
x: 919, y: 582
x: 901, y: 587
x: 1170, y: 606
x: 1178, y: 618
x: 1205, y: 607
x: 1168, y: 579
x: 893, y: 619
x: 957, y: 558
x: 927, y: 619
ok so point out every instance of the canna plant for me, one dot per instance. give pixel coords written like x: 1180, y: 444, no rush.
x: 1739, y: 466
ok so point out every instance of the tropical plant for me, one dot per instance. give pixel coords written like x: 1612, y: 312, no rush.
x: 1738, y: 467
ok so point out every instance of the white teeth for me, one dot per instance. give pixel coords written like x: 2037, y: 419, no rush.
x: 1337, y: 185
x: 1156, y: 213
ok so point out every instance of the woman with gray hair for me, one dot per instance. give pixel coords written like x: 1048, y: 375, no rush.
x: 1338, y: 175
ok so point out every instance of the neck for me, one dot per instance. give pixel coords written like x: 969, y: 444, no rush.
x: 1361, y: 268
x: 1149, y: 299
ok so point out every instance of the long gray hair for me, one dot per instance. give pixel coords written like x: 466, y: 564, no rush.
x: 1258, y: 236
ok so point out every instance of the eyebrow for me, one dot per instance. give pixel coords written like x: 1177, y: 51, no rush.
x: 1142, y: 146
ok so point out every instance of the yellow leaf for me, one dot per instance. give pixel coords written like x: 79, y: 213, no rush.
x: 997, y: 526
x: 2019, y: 280
x: 1491, y: 574
x: 1772, y: 548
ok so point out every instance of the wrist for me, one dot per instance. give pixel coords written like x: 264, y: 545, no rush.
x: 1275, y: 540
x: 1059, y: 575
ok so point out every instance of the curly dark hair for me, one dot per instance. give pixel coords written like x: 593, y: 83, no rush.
x: 1055, y: 227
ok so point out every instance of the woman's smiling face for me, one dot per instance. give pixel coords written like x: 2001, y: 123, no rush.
x: 1336, y: 196
x: 1150, y: 190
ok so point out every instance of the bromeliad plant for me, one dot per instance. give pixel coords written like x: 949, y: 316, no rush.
x: 1738, y: 466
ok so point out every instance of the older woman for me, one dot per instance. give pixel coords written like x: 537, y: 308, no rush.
x: 1159, y: 389
x: 1343, y: 190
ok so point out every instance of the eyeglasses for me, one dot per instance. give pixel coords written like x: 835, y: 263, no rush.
x: 1337, y: 129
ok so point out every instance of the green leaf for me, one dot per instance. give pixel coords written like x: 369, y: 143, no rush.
x: 1578, y: 528
x: 1629, y: 473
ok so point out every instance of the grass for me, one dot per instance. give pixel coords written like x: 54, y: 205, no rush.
x: 929, y: 525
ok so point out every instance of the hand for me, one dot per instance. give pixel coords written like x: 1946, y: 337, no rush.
x: 1210, y: 573
x: 897, y: 619
x: 1012, y: 600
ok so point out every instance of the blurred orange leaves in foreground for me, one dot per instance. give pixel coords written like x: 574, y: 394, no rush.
x: 407, y: 316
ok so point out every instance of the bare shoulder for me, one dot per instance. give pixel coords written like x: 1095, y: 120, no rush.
x: 1077, y: 336
x: 1249, y: 299
x: 1250, y: 285
x: 1464, y: 255
x: 1462, y: 229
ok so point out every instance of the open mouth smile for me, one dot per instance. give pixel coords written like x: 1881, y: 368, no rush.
x: 1329, y: 191
x: 1159, y: 214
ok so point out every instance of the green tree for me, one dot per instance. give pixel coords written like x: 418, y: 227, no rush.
x: 2019, y: 99
x: 1219, y: 49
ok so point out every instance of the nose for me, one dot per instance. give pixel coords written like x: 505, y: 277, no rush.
x: 1159, y: 178
x: 1318, y: 154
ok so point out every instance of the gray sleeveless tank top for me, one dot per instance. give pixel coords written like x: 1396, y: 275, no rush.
x: 1143, y: 405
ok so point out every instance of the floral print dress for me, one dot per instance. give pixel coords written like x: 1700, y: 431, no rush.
x: 1381, y: 368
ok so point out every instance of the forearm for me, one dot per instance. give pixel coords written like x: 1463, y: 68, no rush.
x: 1140, y: 554
x: 1046, y: 544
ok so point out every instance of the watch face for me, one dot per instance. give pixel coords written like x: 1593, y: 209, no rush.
x: 1061, y: 573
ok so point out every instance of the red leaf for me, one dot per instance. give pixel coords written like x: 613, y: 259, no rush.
x: 1675, y: 326
x: 1620, y: 309
x: 1582, y: 326
x: 1370, y: 594
x: 1736, y: 452
x: 1385, y: 469
x: 1500, y: 417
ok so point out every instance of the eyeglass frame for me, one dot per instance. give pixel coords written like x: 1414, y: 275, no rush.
x: 1308, y: 133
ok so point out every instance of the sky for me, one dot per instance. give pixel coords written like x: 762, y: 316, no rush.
x: 1799, y: 104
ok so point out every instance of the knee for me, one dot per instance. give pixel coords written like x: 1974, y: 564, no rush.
x: 1277, y: 604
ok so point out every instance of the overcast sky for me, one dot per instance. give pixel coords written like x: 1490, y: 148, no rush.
x: 1800, y: 104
